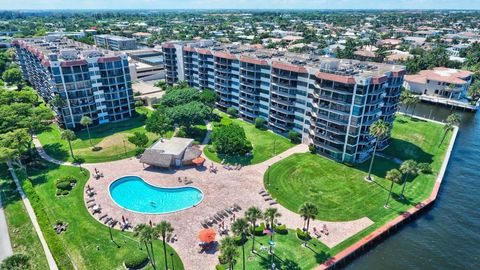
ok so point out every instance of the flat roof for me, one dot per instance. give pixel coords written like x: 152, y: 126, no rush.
x: 174, y: 146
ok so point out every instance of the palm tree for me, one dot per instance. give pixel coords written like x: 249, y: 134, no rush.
x: 405, y: 97
x: 408, y: 168
x: 145, y: 235
x: 308, y: 211
x: 270, y: 215
x: 414, y: 100
x: 164, y: 228
x: 86, y: 122
x: 252, y: 215
x: 378, y: 129
x: 240, y: 228
x: 69, y: 136
x: 452, y: 120
x: 394, y: 176
x: 228, y: 251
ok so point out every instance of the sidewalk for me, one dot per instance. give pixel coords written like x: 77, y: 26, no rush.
x: 5, y: 244
x: 51, y: 261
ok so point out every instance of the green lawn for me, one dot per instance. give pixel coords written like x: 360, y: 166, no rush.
x: 22, y: 234
x: 340, y: 192
x: 266, y: 144
x: 86, y: 241
x: 289, y: 253
x: 112, y: 138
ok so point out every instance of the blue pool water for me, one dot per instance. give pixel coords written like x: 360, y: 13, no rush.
x: 134, y: 194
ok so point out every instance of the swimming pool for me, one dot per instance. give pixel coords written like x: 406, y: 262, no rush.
x: 136, y: 195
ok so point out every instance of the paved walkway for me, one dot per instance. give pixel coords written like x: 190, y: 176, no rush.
x: 221, y: 190
x: 5, y: 244
x: 206, y: 140
x: 51, y: 262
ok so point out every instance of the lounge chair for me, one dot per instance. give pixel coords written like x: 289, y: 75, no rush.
x: 91, y: 200
x: 272, y: 202
x: 179, y: 179
x: 237, y: 206
x: 113, y: 223
x: 265, y: 194
x: 228, y: 210
x: 268, y: 199
x: 102, y: 217
x: 107, y: 220
x: 91, y: 205
x: 224, y: 213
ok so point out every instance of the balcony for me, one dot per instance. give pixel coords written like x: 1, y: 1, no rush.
x: 281, y: 117
x: 250, y: 99
x: 283, y: 101
x: 280, y: 109
x: 282, y: 93
x: 345, y: 91
x: 328, y: 119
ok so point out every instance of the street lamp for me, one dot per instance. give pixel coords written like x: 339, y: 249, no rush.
x: 173, y: 265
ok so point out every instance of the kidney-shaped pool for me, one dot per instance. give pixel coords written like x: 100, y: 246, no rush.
x: 134, y: 194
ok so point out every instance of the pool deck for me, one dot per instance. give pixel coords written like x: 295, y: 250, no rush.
x: 221, y: 190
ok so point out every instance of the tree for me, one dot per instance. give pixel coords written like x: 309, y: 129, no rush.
x: 379, y: 129
x: 408, y: 168
x: 16, y: 262
x: 86, y: 122
x: 58, y: 101
x: 189, y: 114
x: 394, y: 176
x: 294, y: 136
x: 69, y: 136
x: 230, y: 139
x: 270, y: 215
x: 228, y: 252
x: 308, y: 211
x: 240, y: 228
x: 252, y: 215
x: 179, y: 96
x: 452, y: 121
x: 414, y: 100
x: 159, y: 123
x: 145, y: 235
x: 13, y: 145
x: 164, y: 228
x: 208, y: 97
x: 12, y: 76
x: 260, y: 123
x: 139, y: 139
x: 232, y: 112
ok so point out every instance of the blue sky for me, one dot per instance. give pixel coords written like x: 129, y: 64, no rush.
x: 242, y: 4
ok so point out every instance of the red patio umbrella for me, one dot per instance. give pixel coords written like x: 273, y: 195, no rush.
x: 207, y: 235
x: 198, y: 160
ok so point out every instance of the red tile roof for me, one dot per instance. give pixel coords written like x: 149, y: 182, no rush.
x: 289, y: 67
x: 225, y: 55
x: 254, y: 61
x: 336, y: 78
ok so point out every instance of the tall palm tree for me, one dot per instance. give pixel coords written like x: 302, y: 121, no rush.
x: 86, y: 122
x: 394, y: 176
x: 308, y: 211
x: 452, y: 121
x: 379, y: 129
x: 414, y: 100
x: 408, y: 168
x: 163, y: 228
x: 146, y: 235
x: 228, y: 251
x: 69, y: 136
x: 240, y: 228
x: 252, y: 215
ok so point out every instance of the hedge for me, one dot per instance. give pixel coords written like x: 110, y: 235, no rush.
x: 53, y: 241
x: 281, y: 229
x: 303, y: 235
x: 220, y: 267
x: 136, y: 261
x: 259, y: 230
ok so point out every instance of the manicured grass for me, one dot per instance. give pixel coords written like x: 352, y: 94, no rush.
x: 112, y: 138
x: 23, y: 237
x: 266, y: 144
x: 86, y: 241
x: 289, y: 253
x: 340, y: 192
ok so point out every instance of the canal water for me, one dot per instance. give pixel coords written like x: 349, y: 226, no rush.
x: 447, y: 236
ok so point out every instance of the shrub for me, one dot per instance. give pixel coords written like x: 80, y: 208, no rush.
x: 281, y: 229
x: 425, y: 168
x: 239, y: 241
x: 67, y: 178
x: 232, y: 112
x: 312, y: 148
x: 182, y: 132
x: 259, y: 229
x: 260, y: 123
x: 16, y: 262
x: 139, y: 103
x: 211, y: 149
x: 136, y: 260
x: 64, y: 186
x: 294, y: 136
x: 219, y: 267
x: 302, y: 235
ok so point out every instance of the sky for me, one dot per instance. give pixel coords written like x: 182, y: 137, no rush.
x: 240, y: 4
